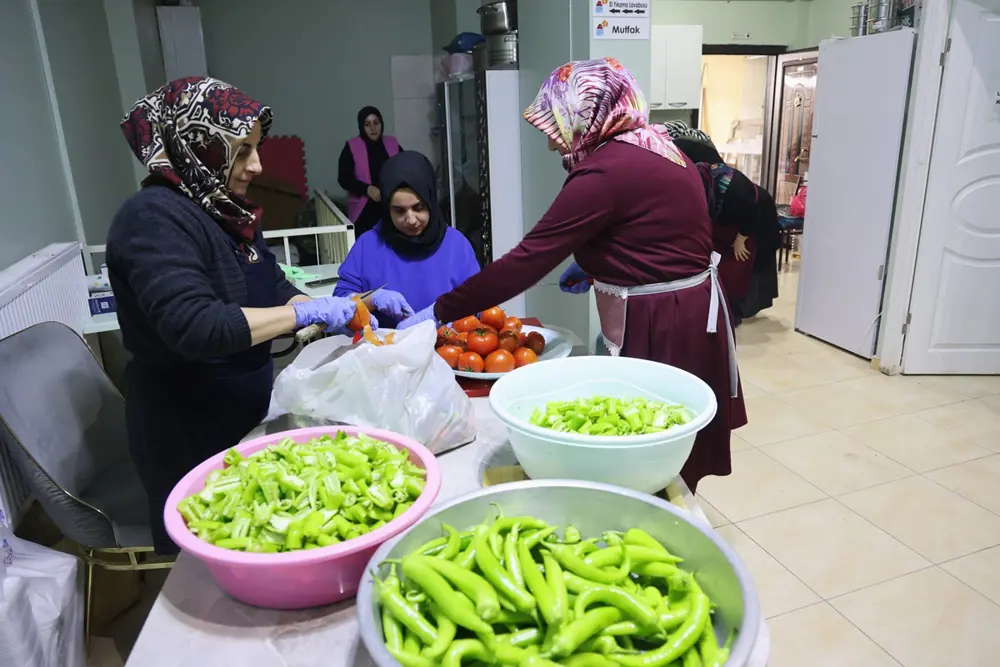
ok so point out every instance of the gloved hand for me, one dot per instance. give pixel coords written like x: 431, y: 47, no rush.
x: 391, y: 303
x: 574, y: 280
x: 425, y: 315
x: 333, y: 312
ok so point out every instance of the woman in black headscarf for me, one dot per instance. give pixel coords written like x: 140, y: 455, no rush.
x: 413, y: 251
x: 361, y: 163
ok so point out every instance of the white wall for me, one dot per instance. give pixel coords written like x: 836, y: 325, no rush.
x: 315, y: 63
x: 91, y: 108
x: 36, y: 209
x: 150, y: 50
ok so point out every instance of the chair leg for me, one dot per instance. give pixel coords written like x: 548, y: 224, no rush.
x: 88, y: 599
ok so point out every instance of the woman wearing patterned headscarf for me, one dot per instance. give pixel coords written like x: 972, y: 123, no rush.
x: 745, y: 223
x: 633, y: 214
x: 198, y: 293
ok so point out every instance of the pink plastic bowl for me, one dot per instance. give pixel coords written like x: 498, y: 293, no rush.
x: 299, y: 579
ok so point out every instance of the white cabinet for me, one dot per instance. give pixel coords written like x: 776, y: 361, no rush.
x: 676, y: 67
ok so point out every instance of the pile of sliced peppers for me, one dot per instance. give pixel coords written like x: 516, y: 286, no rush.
x: 292, y: 496
x: 512, y: 591
x: 610, y: 416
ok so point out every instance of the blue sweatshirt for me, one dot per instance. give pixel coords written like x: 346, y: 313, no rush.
x: 421, y: 279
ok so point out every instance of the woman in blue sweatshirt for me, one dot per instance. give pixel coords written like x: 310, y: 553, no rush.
x: 412, y: 251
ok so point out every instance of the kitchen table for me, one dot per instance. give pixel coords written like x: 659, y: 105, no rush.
x: 192, y: 622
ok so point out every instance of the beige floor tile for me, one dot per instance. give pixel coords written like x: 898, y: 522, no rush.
x: 917, y: 444
x: 759, y: 485
x: 751, y: 391
x: 972, y: 386
x: 834, y: 365
x: 904, y: 396
x: 818, y: 636
x: 770, y: 420
x: 715, y: 517
x: 933, y: 521
x: 830, y: 548
x: 927, y: 619
x: 738, y: 444
x: 839, y: 405
x: 978, y: 480
x: 836, y: 463
x: 776, y: 373
x: 981, y: 571
x: 777, y: 588
x: 973, y: 420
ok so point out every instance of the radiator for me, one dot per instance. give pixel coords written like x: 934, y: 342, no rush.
x: 48, y: 286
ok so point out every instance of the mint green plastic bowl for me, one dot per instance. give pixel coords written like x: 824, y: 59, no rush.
x: 641, y: 462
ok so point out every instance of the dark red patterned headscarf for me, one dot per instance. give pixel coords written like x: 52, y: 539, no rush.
x: 187, y: 134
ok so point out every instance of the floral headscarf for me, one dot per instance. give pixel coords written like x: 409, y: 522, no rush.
x: 584, y: 104
x: 187, y: 135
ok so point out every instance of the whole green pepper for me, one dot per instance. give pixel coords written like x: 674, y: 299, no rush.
x: 392, y: 599
x: 557, y: 584
x: 638, y: 555
x: 678, y: 643
x: 633, y: 606
x: 499, y: 577
x: 392, y: 630
x: 454, y: 543
x: 446, y: 630
x: 535, y: 580
x: 587, y: 660
x: 473, y: 586
x: 458, y: 609
x: 462, y: 649
x: 569, y: 560
x: 511, y: 561
x: 572, y: 635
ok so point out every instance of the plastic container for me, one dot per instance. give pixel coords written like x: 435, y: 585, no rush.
x: 298, y: 579
x: 641, y: 462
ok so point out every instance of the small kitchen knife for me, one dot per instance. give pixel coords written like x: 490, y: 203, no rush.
x: 308, y: 333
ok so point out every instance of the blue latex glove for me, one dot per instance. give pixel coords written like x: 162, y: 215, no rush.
x: 574, y: 280
x: 391, y: 303
x: 425, y: 315
x: 333, y: 312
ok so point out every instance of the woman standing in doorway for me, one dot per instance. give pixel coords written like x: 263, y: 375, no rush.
x: 361, y: 163
x: 633, y: 213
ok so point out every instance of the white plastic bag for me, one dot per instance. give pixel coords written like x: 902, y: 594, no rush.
x: 404, y: 387
x: 41, y: 605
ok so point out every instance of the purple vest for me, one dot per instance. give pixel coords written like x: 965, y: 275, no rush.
x: 356, y: 204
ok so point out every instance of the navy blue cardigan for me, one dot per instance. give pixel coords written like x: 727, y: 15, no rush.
x: 177, y: 282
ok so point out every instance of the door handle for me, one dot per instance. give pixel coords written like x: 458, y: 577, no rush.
x: 655, y: 105
x: 677, y: 105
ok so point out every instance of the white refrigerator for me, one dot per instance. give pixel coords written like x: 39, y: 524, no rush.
x: 862, y: 93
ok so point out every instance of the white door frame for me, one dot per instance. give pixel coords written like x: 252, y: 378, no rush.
x: 932, y: 41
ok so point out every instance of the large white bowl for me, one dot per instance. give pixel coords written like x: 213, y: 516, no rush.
x: 642, y: 462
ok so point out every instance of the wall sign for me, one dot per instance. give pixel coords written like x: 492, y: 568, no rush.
x: 607, y: 28
x: 621, y: 8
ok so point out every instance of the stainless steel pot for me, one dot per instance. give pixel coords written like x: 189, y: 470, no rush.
x: 501, y: 51
x: 498, y: 17
x: 593, y: 508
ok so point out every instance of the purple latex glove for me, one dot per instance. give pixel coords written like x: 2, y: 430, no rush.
x: 391, y: 303
x: 333, y: 312
x: 574, y: 280
x: 425, y: 315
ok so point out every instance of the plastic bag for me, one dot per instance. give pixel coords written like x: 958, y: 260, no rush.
x: 404, y: 387
x: 797, y: 207
x: 41, y: 606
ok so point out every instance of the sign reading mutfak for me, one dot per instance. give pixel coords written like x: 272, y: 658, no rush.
x: 616, y: 28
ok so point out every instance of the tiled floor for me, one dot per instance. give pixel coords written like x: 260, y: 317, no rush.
x: 867, y: 507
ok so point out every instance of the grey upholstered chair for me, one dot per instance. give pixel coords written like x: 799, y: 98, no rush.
x: 63, y: 423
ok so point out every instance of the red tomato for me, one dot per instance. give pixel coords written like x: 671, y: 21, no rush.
x: 524, y: 356
x: 470, y: 362
x: 463, y: 339
x: 446, y: 336
x: 482, y: 342
x: 450, y: 353
x: 508, y: 340
x: 535, y: 342
x: 512, y: 323
x: 494, y: 317
x: 500, y: 361
x: 467, y: 324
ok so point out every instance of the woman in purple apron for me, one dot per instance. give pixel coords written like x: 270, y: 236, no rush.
x: 360, y: 164
x: 633, y: 214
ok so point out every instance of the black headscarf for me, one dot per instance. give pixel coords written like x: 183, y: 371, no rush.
x: 377, y: 154
x: 410, y: 169
x: 699, y: 151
